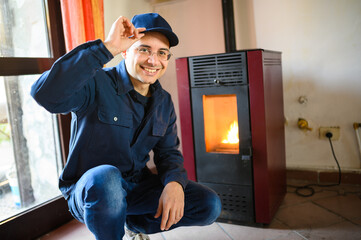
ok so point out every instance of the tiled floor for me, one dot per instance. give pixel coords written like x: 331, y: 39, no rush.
x: 332, y: 214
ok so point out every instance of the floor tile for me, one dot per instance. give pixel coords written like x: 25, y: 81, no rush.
x: 346, y: 189
x: 75, y: 230
x: 276, y: 224
x: 332, y: 213
x: 306, y: 216
x: 238, y: 232
x: 357, y: 221
x: 71, y: 231
x: 212, y: 232
x: 348, y: 206
x: 292, y: 198
x: 344, y: 230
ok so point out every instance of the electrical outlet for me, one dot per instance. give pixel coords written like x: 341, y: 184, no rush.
x: 334, y: 130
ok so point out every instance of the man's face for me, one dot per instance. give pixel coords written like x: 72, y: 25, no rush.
x: 142, y: 67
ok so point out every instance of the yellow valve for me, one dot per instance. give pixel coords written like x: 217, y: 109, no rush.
x: 303, y: 124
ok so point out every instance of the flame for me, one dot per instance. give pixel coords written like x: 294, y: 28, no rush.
x: 232, y: 135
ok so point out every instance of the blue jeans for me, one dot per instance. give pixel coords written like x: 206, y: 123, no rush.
x: 104, y: 201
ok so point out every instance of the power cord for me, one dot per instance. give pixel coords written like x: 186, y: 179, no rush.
x: 309, y: 187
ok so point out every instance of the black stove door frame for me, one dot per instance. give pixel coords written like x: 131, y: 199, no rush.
x: 223, y: 168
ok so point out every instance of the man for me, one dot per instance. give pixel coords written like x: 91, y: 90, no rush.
x: 119, y: 115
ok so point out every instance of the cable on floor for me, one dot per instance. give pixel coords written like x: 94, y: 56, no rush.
x: 310, y: 191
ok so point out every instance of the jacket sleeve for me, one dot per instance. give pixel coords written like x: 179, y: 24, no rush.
x: 167, y: 157
x: 68, y: 85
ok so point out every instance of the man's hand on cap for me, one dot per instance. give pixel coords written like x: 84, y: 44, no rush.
x: 122, y: 35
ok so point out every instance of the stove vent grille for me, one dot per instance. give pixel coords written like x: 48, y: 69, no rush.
x: 237, y: 202
x: 218, y: 70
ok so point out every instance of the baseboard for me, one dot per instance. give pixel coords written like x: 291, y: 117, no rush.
x: 324, y: 176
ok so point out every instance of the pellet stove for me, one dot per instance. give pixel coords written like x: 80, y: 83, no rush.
x: 232, y: 126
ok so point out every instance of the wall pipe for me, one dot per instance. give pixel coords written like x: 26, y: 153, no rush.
x: 228, y: 25
x: 357, y: 127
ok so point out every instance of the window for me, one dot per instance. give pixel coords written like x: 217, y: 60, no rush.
x: 29, y: 149
x: 23, y: 29
x: 32, y: 143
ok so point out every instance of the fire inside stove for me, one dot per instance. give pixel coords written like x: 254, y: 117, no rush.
x: 221, y: 123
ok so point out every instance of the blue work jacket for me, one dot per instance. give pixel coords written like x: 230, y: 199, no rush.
x: 102, y: 118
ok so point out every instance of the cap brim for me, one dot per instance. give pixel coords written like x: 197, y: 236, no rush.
x: 172, y: 38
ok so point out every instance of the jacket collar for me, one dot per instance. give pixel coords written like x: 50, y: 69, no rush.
x: 125, y: 85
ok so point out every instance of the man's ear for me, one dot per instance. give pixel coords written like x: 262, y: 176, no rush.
x: 124, y: 54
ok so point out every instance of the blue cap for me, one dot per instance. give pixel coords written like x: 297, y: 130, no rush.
x: 153, y: 22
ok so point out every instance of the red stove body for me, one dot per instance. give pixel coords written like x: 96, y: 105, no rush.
x: 232, y: 126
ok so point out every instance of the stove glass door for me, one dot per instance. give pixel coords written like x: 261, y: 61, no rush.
x: 221, y: 123
x: 222, y: 134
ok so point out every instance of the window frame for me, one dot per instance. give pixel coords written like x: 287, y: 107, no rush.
x: 37, y: 221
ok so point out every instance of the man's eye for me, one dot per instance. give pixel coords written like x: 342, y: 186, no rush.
x: 143, y: 50
x: 163, y: 53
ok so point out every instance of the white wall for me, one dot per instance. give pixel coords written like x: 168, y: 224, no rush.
x: 321, y: 45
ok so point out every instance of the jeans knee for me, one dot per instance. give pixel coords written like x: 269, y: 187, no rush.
x: 104, y: 187
x: 208, y: 206
x: 214, y: 208
x: 104, y: 178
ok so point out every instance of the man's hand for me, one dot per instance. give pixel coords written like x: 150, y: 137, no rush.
x: 171, y: 205
x: 122, y: 35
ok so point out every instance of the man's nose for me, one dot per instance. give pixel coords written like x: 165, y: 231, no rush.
x: 153, y: 58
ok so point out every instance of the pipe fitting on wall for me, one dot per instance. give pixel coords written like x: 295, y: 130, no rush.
x: 302, y: 100
x: 303, y: 124
x: 357, y: 127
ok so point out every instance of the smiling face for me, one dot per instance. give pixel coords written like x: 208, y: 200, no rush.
x: 142, y: 68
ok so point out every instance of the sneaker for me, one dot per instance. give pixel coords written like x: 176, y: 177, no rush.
x: 135, y: 236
